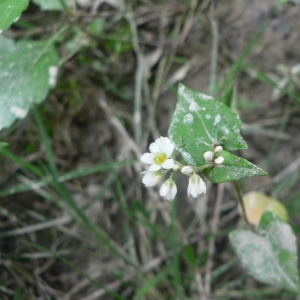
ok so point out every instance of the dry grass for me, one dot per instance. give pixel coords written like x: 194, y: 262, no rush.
x: 75, y: 221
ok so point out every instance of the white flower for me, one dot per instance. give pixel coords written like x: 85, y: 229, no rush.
x: 218, y: 149
x: 168, y: 190
x: 208, y: 156
x: 151, y: 178
x: 161, y: 150
x: 196, y: 186
x: 219, y: 160
x: 187, y: 170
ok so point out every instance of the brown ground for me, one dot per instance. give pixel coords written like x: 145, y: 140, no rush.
x: 90, y: 119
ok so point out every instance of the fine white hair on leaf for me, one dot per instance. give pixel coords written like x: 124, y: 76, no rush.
x: 18, y: 112
x: 217, y: 119
x: 53, y: 71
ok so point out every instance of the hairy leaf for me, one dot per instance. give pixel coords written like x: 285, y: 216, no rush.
x: 49, y: 4
x: 271, y: 256
x: 27, y: 72
x: 199, y: 122
x: 10, y: 11
x: 233, y: 168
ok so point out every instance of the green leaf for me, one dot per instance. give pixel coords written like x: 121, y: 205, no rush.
x: 233, y: 168
x: 27, y: 73
x: 2, y: 145
x: 271, y: 256
x: 189, y: 255
x: 11, y: 11
x: 199, y: 122
x: 49, y: 4
x: 7, y: 45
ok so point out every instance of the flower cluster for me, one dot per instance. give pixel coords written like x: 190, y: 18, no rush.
x: 214, y: 157
x: 160, y: 162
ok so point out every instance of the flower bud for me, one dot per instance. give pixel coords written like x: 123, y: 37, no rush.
x: 219, y: 160
x: 208, y: 156
x: 218, y: 149
x: 176, y: 166
x: 151, y: 178
x: 187, y: 170
x: 196, y: 186
x: 168, y: 189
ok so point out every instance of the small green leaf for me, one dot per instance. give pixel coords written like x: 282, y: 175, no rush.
x: 11, y: 11
x: 2, y: 145
x: 27, y: 73
x: 49, y: 4
x: 270, y: 257
x: 199, y: 122
x: 189, y: 255
x: 233, y: 168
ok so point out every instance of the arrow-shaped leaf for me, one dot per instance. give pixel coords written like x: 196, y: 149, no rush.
x: 199, y: 122
x: 198, y: 125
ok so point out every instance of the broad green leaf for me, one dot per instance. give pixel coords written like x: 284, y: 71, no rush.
x: 10, y: 11
x: 283, y: 241
x: 49, y: 4
x: 26, y: 74
x: 233, y: 168
x: 7, y: 45
x: 199, y: 122
x: 270, y: 257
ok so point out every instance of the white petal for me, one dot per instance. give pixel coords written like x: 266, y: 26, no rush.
x: 154, y: 148
x: 192, y: 190
x: 168, y: 164
x: 196, y: 186
x: 154, y: 167
x: 152, y: 178
x: 168, y: 190
x: 160, y: 141
x: 203, y: 187
x: 164, y: 189
x: 172, y: 193
x: 147, y: 158
x: 168, y: 149
x: 199, y: 187
x: 146, y: 179
x: 167, y: 140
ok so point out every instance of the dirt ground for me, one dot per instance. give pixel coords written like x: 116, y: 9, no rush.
x: 90, y: 118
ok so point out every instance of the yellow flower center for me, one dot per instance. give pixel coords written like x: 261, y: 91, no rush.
x: 160, y: 158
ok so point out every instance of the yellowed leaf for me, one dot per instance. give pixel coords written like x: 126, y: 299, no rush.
x: 256, y: 203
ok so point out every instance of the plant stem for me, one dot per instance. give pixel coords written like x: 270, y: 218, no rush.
x: 241, y: 203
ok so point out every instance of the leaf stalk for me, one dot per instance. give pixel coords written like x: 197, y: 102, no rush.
x: 241, y: 203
